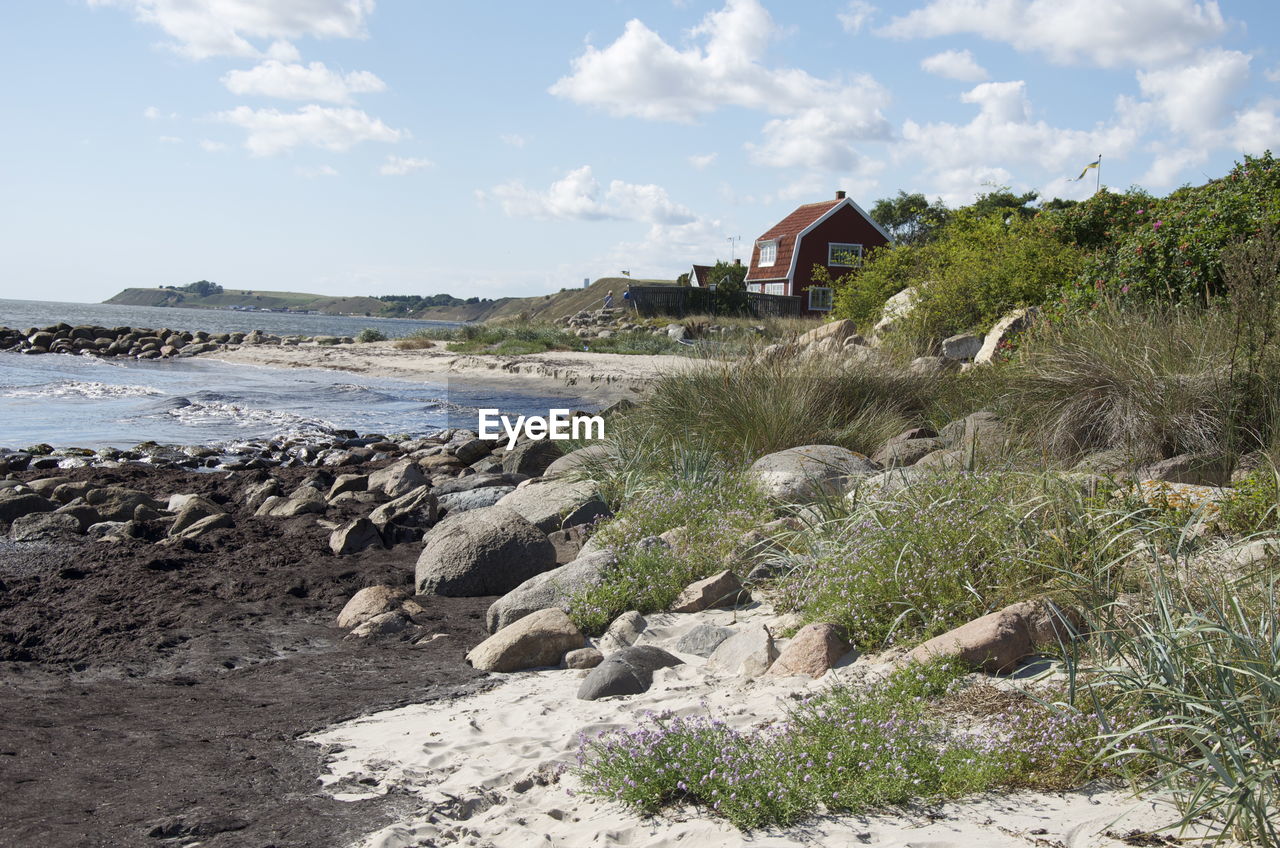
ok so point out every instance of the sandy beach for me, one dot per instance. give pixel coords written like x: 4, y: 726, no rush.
x: 605, y: 377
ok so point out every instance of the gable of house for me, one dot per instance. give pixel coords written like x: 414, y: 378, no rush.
x: 783, y: 236
x: 698, y: 276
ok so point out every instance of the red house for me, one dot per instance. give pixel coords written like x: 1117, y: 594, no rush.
x: 834, y: 234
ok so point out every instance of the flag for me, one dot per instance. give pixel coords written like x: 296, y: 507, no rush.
x: 1095, y: 163
x: 626, y: 273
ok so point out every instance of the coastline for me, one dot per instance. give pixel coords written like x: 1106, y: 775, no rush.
x: 605, y: 377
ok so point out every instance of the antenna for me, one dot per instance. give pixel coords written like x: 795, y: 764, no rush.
x: 733, y: 241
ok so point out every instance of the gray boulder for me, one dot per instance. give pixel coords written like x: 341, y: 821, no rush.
x: 537, y: 640
x: 718, y: 590
x: 551, y: 588
x: 44, y: 526
x: 805, y: 474
x: 369, y: 602
x: 478, y: 481
x: 962, y: 347
x: 623, y: 632
x: 583, y: 658
x: 552, y: 505
x: 1198, y: 469
x: 118, y: 504
x: 192, y: 510
x: 628, y: 672
x: 1006, y: 328
x: 344, y: 483
x: 748, y: 653
x: 397, y: 479
x: 904, y: 453
x: 577, y: 461
x: 532, y: 458
x: 203, y: 525
x: 703, y: 640
x: 406, y: 518
x: 487, y: 551
x: 456, y: 502
x: 355, y: 536
x: 13, y: 507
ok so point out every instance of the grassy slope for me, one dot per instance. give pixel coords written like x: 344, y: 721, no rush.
x: 546, y: 307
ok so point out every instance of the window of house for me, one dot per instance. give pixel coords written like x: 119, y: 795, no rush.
x: 844, y: 255
x: 753, y: 287
x: 768, y: 252
x: 820, y: 298
x: 775, y: 288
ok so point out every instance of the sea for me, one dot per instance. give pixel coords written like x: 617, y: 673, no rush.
x: 83, y: 401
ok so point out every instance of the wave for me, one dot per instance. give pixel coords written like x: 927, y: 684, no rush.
x: 212, y: 413
x: 89, y: 389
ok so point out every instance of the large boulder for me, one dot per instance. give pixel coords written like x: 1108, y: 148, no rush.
x: 118, y: 504
x: 628, y: 672
x: 905, y: 453
x: 406, y: 518
x: 895, y: 309
x: 194, y: 508
x: 577, y: 461
x: 837, y: 331
x: 487, y: 551
x: 537, y: 640
x: 962, y: 347
x: 556, y: 504
x: 355, y: 536
x: 1004, y: 330
x: 747, y: 653
x: 552, y: 588
x: 397, y: 479
x: 1195, y: 468
x: 24, y: 503
x: 703, y: 640
x: 456, y: 502
x: 811, y: 652
x: 478, y: 481
x: 623, y: 632
x: 44, y: 526
x: 532, y: 458
x: 809, y: 473
x: 995, y: 642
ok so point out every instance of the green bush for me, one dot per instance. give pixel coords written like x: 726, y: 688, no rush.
x: 369, y: 334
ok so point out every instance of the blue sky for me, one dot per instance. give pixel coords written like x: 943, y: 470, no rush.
x: 514, y: 148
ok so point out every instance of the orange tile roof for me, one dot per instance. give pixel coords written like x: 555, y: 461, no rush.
x: 786, y: 231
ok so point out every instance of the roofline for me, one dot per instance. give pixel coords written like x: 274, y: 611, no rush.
x: 795, y: 252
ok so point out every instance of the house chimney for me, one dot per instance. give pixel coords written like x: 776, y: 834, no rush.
x: 738, y: 262
x: 839, y: 195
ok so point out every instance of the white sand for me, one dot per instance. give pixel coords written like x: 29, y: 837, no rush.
x: 604, y: 377
x: 475, y: 762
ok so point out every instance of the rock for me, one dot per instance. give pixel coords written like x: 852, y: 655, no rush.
x: 896, y: 308
x: 552, y: 588
x: 703, y: 640
x: 811, y: 652
x: 578, y: 461
x: 84, y: 514
x: 942, y: 460
x: 540, y: 639
x: 118, y: 504
x: 176, y: 502
x: 369, y: 602
x: 397, y: 479
x: 808, y: 473
x: 253, y: 496
x: 995, y: 642
x: 1195, y: 469
x: 835, y: 331
x: 556, y: 504
x: 344, y: 483
x: 456, y: 502
x: 747, y: 653
x: 478, y: 481
x: 677, y: 332
x: 278, y: 507
x: 43, y: 526
x: 487, y: 551
x: 384, y: 624
x: 1005, y: 329
x: 583, y: 658
x: 902, y: 454
x: 719, y: 590
x: 628, y: 672
x: 623, y: 632
x: 471, y: 450
x: 406, y: 518
x: 568, y: 542
x: 981, y: 431
x: 931, y: 366
x: 354, y: 537
x: 13, y: 507
x: 962, y: 347
x: 194, y: 509
x: 203, y: 525
x: 532, y: 458
x: 1106, y: 461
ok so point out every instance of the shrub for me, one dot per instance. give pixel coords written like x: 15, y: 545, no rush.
x: 369, y: 334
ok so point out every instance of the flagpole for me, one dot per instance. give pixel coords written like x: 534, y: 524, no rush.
x: 1097, y: 186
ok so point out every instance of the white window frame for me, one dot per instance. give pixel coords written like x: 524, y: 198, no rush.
x: 769, y: 258
x: 754, y: 288
x: 775, y: 288
x: 824, y: 297
x: 834, y: 246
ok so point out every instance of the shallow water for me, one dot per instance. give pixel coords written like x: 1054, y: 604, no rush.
x: 88, y: 402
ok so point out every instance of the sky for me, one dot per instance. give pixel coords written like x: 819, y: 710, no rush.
x: 515, y: 148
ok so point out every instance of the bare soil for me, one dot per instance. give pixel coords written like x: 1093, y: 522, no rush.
x: 156, y: 696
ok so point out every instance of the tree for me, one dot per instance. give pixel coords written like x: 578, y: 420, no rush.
x: 910, y: 218
x: 203, y: 288
x: 683, y: 279
x: 1003, y: 202
x: 727, y: 277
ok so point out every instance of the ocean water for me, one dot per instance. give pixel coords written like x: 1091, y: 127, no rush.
x: 83, y: 401
x: 21, y: 314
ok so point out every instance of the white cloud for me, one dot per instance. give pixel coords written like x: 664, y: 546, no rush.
x: 669, y: 249
x: 957, y: 157
x: 578, y: 196
x: 1195, y: 99
x: 1109, y: 33
x: 317, y: 171
x: 274, y: 78
x: 170, y: 139
x: 204, y: 28
x: 1257, y: 128
x: 1272, y: 74
x: 703, y: 161
x: 955, y: 64
x: 151, y: 113
x: 398, y: 166
x: 514, y: 139
x: 210, y: 146
x: 271, y: 131
x: 855, y: 16
x: 817, y: 122
x: 1169, y: 164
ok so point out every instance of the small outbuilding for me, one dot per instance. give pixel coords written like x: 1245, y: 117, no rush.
x: 835, y: 234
